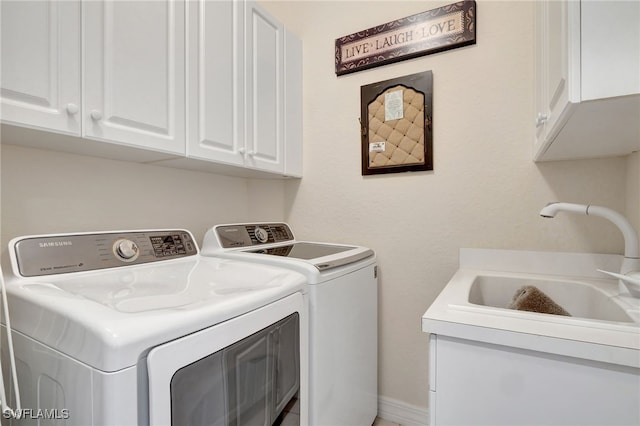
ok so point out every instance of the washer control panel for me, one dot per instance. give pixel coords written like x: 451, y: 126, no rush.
x: 247, y: 235
x: 64, y: 253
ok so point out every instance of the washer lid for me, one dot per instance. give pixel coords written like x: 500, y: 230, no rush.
x: 109, y: 318
x: 277, y: 239
x: 322, y: 256
x: 304, y: 250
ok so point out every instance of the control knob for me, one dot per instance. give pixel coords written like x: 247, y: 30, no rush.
x: 261, y: 234
x: 126, y: 250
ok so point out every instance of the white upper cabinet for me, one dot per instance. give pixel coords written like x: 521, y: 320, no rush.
x: 134, y: 73
x: 106, y: 70
x: 587, y: 79
x: 215, y: 81
x: 265, y: 90
x: 244, y: 84
x: 274, y: 94
x: 40, y: 57
x: 203, y: 84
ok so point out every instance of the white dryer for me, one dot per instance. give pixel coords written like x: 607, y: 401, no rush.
x: 136, y: 328
x: 343, y: 319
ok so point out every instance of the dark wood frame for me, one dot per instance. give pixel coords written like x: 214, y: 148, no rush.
x: 372, y: 52
x: 420, y: 82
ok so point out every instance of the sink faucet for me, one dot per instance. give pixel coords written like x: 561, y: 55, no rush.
x: 630, y: 270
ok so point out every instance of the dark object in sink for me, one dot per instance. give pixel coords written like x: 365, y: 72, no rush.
x: 532, y: 299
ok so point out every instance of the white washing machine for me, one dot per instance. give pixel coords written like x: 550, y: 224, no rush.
x: 343, y: 306
x: 136, y: 328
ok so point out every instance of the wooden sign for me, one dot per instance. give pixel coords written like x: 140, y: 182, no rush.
x: 436, y: 30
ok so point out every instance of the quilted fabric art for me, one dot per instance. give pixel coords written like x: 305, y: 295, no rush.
x: 403, y: 138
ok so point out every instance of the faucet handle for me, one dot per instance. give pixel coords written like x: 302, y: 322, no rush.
x: 631, y: 281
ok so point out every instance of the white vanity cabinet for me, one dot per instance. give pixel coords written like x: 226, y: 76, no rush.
x: 479, y: 383
x: 244, y: 89
x: 587, y: 79
x: 492, y: 365
x: 40, y: 64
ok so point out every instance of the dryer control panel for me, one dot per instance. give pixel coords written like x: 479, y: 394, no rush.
x: 64, y: 253
x: 247, y: 235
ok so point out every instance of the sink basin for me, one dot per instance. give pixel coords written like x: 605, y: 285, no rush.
x: 604, y: 325
x: 580, y: 299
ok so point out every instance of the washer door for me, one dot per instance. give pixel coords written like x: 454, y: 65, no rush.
x: 176, y: 368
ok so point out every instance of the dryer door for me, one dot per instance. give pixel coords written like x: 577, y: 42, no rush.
x: 190, y: 379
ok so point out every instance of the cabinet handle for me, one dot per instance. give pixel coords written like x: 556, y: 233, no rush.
x: 541, y: 119
x: 72, y: 109
x: 241, y: 151
x: 251, y: 153
x: 96, y: 115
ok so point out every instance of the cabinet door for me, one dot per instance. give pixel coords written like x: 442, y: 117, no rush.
x: 40, y: 72
x: 558, y: 66
x: 479, y: 383
x: 265, y: 90
x: 134, y: 62
x: 610, y: 60
x: 215, y: 80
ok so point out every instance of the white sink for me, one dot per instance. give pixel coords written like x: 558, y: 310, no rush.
x: 581, y: 299
x: 488, y: 357
x: 604, y: 325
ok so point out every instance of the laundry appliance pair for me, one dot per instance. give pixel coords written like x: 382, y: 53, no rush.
x: 138, y: 327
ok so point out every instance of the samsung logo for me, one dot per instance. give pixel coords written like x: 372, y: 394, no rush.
x: 56, y: 244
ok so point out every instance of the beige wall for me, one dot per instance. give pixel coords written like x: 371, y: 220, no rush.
x: 50, y: 192
x: 485, y: 190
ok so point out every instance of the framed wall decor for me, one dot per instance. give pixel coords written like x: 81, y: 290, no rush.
x: 396, y: 119
x: 444, y: 28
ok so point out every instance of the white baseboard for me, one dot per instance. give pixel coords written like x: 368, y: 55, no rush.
x: 402, y: 413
